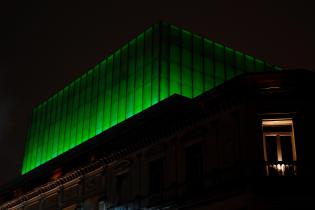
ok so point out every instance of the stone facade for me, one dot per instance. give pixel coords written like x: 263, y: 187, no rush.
x: 211, y: 158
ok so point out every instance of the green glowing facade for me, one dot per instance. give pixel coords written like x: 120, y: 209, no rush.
x: 162, y: 61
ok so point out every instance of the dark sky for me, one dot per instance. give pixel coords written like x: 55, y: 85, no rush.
x: 46, y: 45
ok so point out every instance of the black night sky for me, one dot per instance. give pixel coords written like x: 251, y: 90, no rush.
x: 46, y: 45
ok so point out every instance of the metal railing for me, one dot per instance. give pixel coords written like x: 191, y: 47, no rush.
x: 281, y: 168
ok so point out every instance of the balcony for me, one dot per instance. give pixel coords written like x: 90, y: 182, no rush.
x: 281, y: 168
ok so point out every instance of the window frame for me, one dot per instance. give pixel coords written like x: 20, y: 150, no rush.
x: 280, y: 166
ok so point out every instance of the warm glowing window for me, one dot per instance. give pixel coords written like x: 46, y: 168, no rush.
x: 279, y: 147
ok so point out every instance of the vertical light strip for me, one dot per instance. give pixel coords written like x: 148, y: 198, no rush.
x: 52, y: 126
x: 155, y: 64
x: 122, y: 84
x: 164, y: 75
x: 139, y: 74
x: 147, y: 72
x: 131, y: 79
x: 58, y: 124
x: 62, y: 122
x: 94, y: 101
x: 101, y: 98
x: 36, y: 139
x: 108, y: 95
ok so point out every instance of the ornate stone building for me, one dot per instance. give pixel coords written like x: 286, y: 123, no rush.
x: 243, y: 143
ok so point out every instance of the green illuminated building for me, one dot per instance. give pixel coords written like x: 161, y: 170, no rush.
x: 162, y: 61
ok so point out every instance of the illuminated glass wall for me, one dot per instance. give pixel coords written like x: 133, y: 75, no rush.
x: 162, y: 61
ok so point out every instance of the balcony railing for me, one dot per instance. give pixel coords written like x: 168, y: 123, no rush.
x: 281, y: 168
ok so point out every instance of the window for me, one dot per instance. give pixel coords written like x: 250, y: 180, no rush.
x: 279, y: 147
x: 90, y: 203
x: 121, y: 186
x: 156, y: 175
x: 194, y: 163
x: 102, y: 205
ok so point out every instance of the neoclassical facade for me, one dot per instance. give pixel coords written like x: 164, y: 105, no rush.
x: 244, y: 145
x: 171, y: 120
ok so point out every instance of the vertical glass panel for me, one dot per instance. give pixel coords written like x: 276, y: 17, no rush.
x: 123, y: 84
x: 82, y: 102
x: 87, y: 106
x: 46, y: 137
x: 174, y: 47
x: 69, y: 117
x: 229, y: 63
x: 131, y: 79
x: 33, y: 139
x: 187, y: 40
x: 219, y: 64
x: 186, y: 62
x: 37, y: 140
x: 155, y: 68
x: 156, y: 41
x: 58, y: 123
x: 208, y: 64
x: 175, y: 70
x: 41, y: 134
x: 100, y: 98
x: 62, y: 123
x: 239, y: 62
x: 25, y: 163
x: 52, y: 126
x: 175, y: 76
x: 74, y: 110
x: 148, y: 35
x: 147, y: 79
x: 164, y: 77
x: 187, y: 75
x: 115, y: 93
x: 147, y: 86
x: 174, y: 35
x: 94, y: 101
x: 175, y: 82
x: 249, y: 60
x: 75, y: 88
x: 197, y: 66
x: 259, y: 65
x: 164, y: 86
x: 139, y: 74
x: 155, y: 82
x: 108, y: 94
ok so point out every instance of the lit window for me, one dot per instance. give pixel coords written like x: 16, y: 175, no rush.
x: 279, y: 147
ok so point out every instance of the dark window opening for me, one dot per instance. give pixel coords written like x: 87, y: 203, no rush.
x: 156, y: 176
x: 121, y: 181
x: 194, y: 164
